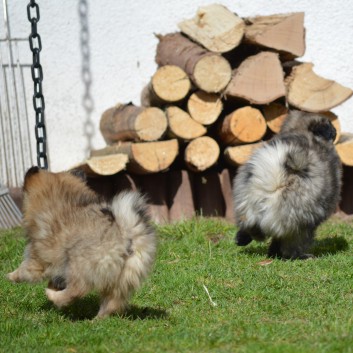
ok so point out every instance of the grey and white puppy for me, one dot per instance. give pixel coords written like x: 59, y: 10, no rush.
x: 289, y: 186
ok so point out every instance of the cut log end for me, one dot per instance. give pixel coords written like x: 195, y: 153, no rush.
x: 105, y: 165
x: 214, y: 27
x: 244, y: 125
x: 309, y: 92
x: 201, y: 153
x: 170, y: 83
x: 275, y: 114
x: 238, y: 155
x: 204, y: 107
x: 151, y: 124
x: 259, y: 79
x: 212, y: 73
x: 182, y: 126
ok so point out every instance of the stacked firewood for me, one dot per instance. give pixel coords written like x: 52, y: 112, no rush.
x: 223, y: 85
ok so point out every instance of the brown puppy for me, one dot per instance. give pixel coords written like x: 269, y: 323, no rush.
x: 82, y: 244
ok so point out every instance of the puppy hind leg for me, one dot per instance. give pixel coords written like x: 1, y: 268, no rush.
x: 242, y: 238
x: 64, y: 297
x: 112, y: 302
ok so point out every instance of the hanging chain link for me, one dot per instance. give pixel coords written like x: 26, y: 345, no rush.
x: 35, y: 45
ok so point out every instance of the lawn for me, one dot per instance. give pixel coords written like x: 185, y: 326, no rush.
x: 251, y: 306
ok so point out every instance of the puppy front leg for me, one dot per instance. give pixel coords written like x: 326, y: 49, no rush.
x: 29, y: 271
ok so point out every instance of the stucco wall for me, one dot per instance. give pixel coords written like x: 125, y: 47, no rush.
x: 122, y: 49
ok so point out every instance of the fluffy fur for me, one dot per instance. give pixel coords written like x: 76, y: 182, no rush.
x: 289, y: 186
x: 82, y: 244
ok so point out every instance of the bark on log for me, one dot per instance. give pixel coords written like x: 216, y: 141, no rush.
x: 127, y: 122
x: 309, y: 92
x: 205, y: 108
x: 283, y: 32
x: 208, y: 71
x: 144, y: 157
x: 201, y: 153
x: 238, y: 155
x: 244, y: 125
x: 180, y: 195
x: 169, y: 84
x: 259, y: 79
x: 344, y: 148
x: 275, y: 114
x: 182, y: 126
x: 214, y: 27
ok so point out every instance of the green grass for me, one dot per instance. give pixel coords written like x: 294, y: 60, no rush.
x: 286, y: 306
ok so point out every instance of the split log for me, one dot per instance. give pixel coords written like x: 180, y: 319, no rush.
x: 182, y: 126
x: 344, y: 148
x: 259, y: 79
x: 275, y: 114
x: 104, y: 165
x: 238, y: 155
x: 209, y: 71
x: 244, y: 125
x: 205, y: 108
x: 214, y: 27
x: 201, y: 153
x: 283, y: 32
x: 169, y: 84
x: 180, y: 192
x: 127, y: 122
x: 144, y: 157
x: 312, y: 93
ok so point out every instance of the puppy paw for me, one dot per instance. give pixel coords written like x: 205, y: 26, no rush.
x: 13, y: 277
x: 306, y: 257
x: 242, y: 238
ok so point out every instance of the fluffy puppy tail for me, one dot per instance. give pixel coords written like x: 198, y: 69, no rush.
x: 131, y: 214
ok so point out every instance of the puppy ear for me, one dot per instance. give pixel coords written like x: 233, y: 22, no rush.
x: 30, y: 172
x: 79, y: 173
x: 324, y: 129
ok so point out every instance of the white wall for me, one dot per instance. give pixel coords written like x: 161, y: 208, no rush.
x: 122, y: 47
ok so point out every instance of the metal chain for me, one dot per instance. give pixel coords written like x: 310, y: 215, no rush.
x: 35, y: 45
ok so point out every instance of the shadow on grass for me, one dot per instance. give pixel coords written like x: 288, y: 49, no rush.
x: 320, y: 248
x: 88, y: 307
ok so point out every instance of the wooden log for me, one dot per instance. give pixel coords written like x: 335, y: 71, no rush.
x: 344, y: 148
x: 209, y: 201
x: 259, y: 79
x: 238, y: 155
x: 180, y: 195
x: 144, y: 157
x: 214, y: 27
x: 182, y: 126
x: 275, y: 114
x: 108, y: 165
x: 127, y: 122
x: 155, y: 188
x: 244, y: 125
x: 169, y: 84
x: 201, y: 153
x: 226, y: 182
x: 309, y: 92
x: 205, y: 108
x: 283, y: 32
x: 209, y: 71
